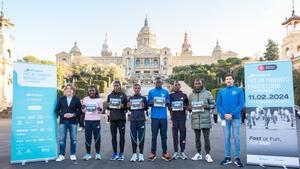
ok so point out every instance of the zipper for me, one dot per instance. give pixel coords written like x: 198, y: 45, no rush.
x: 198, y: 99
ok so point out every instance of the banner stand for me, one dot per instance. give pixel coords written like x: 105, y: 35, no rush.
x: 271, y: 135
x: 34, y: 122
x: 23, y: 162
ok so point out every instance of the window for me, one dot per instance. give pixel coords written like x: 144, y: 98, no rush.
x: 147, y: 62
x: 127, y: 52
x: 137, y: 62
x: 298, y: 48
x: 146, y: 71
x: 155, y: 62
x: 166, y: 52
x: 165, y: 61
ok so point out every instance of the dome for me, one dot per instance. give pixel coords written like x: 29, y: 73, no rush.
x: 217, y: 52
x: 146, y: 38
x: 217, y: 47
x: 75, y: 51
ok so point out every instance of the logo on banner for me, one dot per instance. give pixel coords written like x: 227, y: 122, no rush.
x: 267, y: 67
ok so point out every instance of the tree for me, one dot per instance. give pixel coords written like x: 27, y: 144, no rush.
x: 272, y: 51
x: 296, y: 79
x: 34, y: 59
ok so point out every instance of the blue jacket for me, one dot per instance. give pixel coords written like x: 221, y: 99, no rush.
x: 230, y: 100
x: 158, y: 112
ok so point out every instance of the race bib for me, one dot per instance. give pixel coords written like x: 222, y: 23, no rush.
x: 135, y: 104
x: 159, y: 102
x: 197, y: 106
x: 177, y: 106
x: 91, y: 107
x: 115, y: 103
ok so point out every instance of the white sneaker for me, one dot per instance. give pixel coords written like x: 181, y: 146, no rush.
x: 208, y: 158
x: 97, y: 157
x: 87, y: 157
x: 183, y: 156
x: 80, y: 129
x: 134, y: 157
x: 175, y: 156
x: 73, y: 157
x: 60, y: 158
x: 197, y: 156
x: 141, y: 158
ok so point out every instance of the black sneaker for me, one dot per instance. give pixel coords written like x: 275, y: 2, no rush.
x: 238, y: 162
x: 226, y: 161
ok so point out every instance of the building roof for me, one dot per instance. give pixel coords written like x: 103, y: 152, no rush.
x: 292, y: 18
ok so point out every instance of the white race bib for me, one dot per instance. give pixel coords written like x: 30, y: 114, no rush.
x: 159, y: 102
x: 197, y: 106
x: 177, y: 106
x: 115, y: 103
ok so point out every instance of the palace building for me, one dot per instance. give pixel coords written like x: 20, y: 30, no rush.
x: 147, y: 61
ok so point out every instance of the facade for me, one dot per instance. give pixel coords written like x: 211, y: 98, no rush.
x: 6, y: 61
x: 146, y: 61
x: 290, y: 48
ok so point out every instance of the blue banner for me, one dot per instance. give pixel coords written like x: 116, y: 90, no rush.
x: 34, y: 135
x: 271, y: 135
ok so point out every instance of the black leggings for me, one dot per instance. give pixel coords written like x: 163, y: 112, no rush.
x: 80, y: 120
x: 216, y: 118
x: 92, y: 128
x: 137, y: 134
x: 114, y: 126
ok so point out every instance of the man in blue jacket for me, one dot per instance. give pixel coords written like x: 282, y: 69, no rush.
x: 230, y: 103
x: 158, y: 100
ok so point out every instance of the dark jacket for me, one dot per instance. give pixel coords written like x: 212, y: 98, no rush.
x: 178, y: 96
x: 138, y: 115
x: 117, y: 114
x: 62, y: 108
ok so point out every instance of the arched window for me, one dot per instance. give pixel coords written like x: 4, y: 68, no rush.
x: 288, y: 53
x: 137, y: 62
x: 165, y: 61
x: 298, y: 48
x: 127, y: 52
x: 147, y: 62
x: 166, y: 52
x: 155, y: 62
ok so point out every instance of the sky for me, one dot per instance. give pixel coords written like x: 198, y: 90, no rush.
x: 45, y: 28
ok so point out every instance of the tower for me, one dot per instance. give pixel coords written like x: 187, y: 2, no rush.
x: 186, y: 49
x: 6, y: 60
x: 290, y: 47
x: 105, y: 48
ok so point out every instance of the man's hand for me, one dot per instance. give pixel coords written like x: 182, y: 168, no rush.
x: 69, y: 115
x: 228, y: 116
